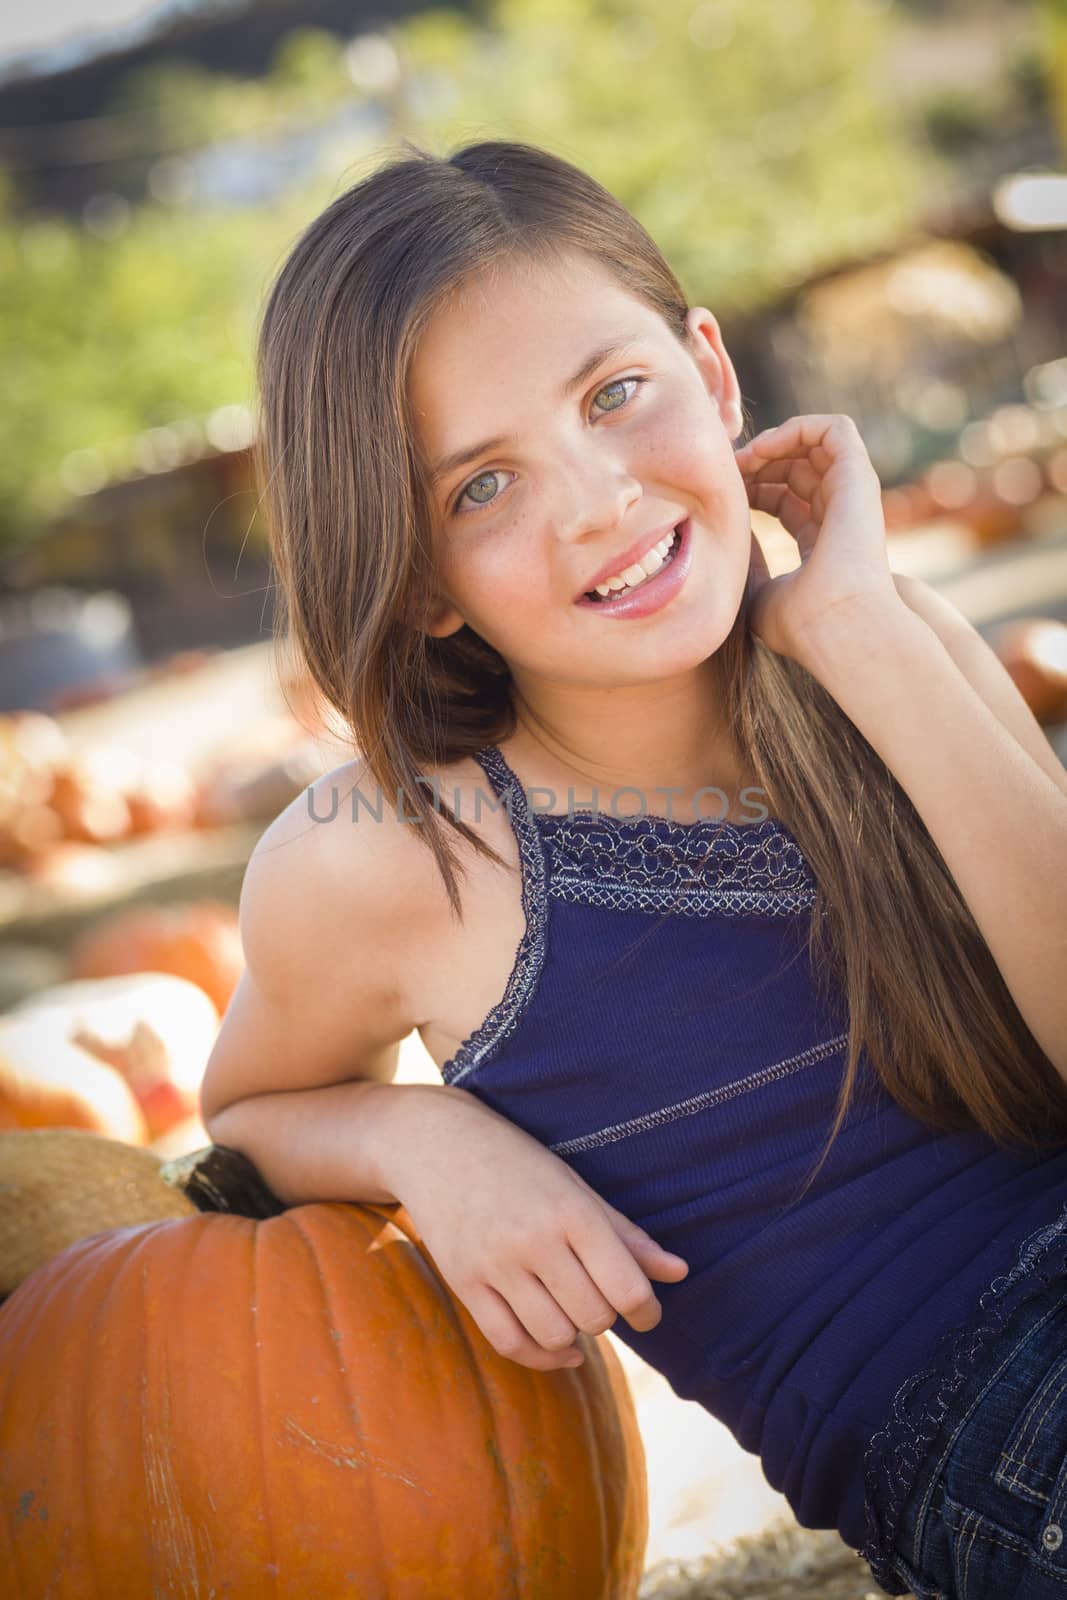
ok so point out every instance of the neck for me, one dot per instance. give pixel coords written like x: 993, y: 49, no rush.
x: 666, y: 740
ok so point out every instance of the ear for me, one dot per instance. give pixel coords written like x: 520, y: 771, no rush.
x: 715, y: 366
x: 436, y: 617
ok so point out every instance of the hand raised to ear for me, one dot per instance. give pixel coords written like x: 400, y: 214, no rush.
x: 814, y: 474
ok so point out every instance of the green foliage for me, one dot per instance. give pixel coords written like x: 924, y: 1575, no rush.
x: 105, y: 337
x: 750, y: 138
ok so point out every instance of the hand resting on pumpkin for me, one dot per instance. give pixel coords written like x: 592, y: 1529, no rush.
x: 534, y: 1253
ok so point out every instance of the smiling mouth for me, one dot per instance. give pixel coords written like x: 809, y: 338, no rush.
x: 632, y: 588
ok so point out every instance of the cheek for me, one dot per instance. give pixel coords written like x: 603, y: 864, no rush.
x: 690, y: 449
x: 495, y: 572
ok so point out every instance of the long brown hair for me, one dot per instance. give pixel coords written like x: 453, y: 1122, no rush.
x: 350, y: 523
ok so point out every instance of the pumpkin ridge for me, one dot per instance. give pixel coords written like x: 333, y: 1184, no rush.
x: 259, y: 1244
x: 169, y: 1517
x: 604, y: 1559
x: 114, y: 1251
x: 299, y: 1224
x: 504, y: 1534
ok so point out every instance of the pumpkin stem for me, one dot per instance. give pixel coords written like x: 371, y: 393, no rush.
x: 217, y: 1178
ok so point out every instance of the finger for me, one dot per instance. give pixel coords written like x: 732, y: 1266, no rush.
x: 651, y: 1255
x: 829, y: 440
x: 573, y: 1290
x: 543, y: 1317
x: 507, y: 1335
x: 656, y: 1262
x: 774, y: 459
x: 800, y: 476
x: 835, y: 432
x: 654, y: 1258
x: 794, y: 514
x: 616, y: 1273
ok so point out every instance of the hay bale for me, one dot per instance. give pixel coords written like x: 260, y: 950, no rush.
x: 783, y: 1562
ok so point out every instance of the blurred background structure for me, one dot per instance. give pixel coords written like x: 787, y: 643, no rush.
x: 870, y: 194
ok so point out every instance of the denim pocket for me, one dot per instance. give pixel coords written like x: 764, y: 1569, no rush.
x: 1004, y: 1488
x: 989, y: 1561
x: 1032, y: 1459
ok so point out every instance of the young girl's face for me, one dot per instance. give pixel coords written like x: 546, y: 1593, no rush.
x: 525, y: 526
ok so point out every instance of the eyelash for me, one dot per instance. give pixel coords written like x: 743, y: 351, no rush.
x: 486, y: 472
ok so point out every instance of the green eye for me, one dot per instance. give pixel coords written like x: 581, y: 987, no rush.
x: 483, y: 477
x: 494, y: 472
x: 616, y: 384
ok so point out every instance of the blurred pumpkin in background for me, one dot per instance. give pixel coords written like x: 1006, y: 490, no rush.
x: 154, y: 1029
x: 53, y: 794
x: 1034, y: 651
x: 199, y: 941
x: 49, y: 1082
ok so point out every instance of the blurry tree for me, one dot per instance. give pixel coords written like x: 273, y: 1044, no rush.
x: 754, y: 140
x: 1054, y: 55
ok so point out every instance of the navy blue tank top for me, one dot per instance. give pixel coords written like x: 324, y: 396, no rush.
x: 663, y: 1032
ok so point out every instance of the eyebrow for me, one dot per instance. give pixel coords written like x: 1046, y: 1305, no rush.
x: 596, y: 358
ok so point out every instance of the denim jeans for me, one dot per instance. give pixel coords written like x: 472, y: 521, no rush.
x: 987, y: 1516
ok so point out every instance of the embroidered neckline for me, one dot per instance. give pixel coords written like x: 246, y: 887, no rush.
x: 655, y: 864
x: 697, y: 869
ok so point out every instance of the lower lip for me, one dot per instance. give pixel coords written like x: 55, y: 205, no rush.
x: 655, y: 591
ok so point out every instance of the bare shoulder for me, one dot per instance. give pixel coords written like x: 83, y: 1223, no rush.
x: 339, y: 836
x: 341, y: 849
x: 342, y: 916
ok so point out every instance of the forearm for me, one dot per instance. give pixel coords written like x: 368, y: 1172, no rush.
x: 344, y: 1141
x: 985, y: 673
x: 998, y: 819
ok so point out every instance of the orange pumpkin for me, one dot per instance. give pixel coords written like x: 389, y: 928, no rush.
x: 200, y: 941
x: 162, y: 798
x: 93, y: 810
x: 299, y: 1406
x: 1034, y: 651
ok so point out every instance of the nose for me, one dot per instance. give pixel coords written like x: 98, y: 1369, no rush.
x: 596, y: 495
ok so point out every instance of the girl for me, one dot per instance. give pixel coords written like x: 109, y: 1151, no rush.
x: 513, y: 535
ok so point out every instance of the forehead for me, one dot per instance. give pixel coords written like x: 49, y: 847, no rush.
x: 533, y: 318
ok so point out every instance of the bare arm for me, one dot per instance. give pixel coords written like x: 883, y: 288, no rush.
x: 984, y: 671
x: 298, y: 1076
x: 998, y: 815
x: 344, y: 1141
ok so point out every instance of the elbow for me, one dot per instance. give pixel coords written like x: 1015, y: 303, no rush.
x: 215, y: 1097
x: 215, y: 1117
x: 208, y: 1112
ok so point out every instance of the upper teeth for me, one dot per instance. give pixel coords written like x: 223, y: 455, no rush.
x: 649, y: 563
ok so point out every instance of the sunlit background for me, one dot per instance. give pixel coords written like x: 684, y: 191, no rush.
x: 870, y: 194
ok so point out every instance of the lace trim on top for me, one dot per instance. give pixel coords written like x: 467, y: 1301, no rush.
x: 530, y: 956
x: 898, y: 1450
x: 697, y: 868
